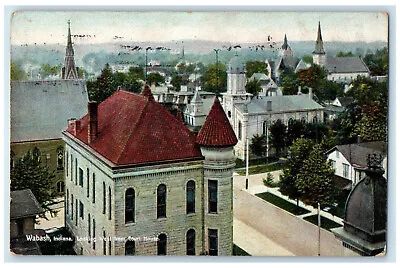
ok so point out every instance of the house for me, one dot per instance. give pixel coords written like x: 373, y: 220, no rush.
x: 340, y: 69
x: 350, y: 160
x: 250, y: 115
x: 197, y: 110
x: 138, y: 182
x: 268, y: 86
x: 24, y: 208
x: 39, y: 112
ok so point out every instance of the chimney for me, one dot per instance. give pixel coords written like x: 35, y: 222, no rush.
x: 310, y: 94
x: 93, y: 123
x: 269, y: 105
x: 74, y: 125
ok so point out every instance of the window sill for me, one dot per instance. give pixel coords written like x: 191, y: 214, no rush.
x: 127, y: 224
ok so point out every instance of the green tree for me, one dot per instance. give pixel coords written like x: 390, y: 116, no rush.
x: 296, y: 129
x: 278, y: 134
x: 308, y: 59
x: 256, y: 67
x: 177, y: 81
x: 373, y: 124
x: 214, y: 78
x: 315, y: 131
x: 378, y: 62
x: 155, y: 78
x: 103, y: 87
x: 258, y: 145
x: 315, y: 179
x: 298, y: 153
x: 16, y: 72
x: 47, y: 70
x: 289, y: 83
x: 253, y: 87
x: 29, y: 173
x: 341, y: 54
x: 82, y: 73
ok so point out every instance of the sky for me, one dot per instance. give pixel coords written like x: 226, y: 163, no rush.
x: 50, y: 27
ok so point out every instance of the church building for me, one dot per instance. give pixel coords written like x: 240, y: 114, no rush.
x: 138, y: 182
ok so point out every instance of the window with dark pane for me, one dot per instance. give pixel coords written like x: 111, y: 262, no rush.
x: 162, y: 245
x: 190, y: 197
x: 191, y: 242
x: 161, y: 201
x: 130, y: 205
x: 213, y: 242
x: 212, y: 196
x: 130, y: 248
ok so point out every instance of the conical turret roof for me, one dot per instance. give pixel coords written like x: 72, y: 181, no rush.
x: 319, y: 44
x: 216, y: 131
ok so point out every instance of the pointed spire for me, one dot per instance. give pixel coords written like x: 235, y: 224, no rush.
x: 216, y: 131
x: 69, y: 71
x: 319, y: 44
x: 285, y: 43
x: 196, y: 97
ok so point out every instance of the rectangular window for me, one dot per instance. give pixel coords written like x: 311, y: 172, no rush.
x: 72, y: 168
x: 109, y: 203
x: 76, y: 171
x: 94, y: 234
x: 94, y: 189
x: 67, y: 202
x: 104, y: 198
x: 81, y: 209
x: 212, y: 196
x: 345, y: 170
x: 80, y: 177
x: 333, y: 164
x: 213, y: 242
x: 240, y: 130
x: 72, y: 207
x: 66, y: 159
x: 104, y: 243
x: 87, y: 180
x: 76, y: 211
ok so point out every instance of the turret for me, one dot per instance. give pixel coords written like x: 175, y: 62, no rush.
x: 216, y: 139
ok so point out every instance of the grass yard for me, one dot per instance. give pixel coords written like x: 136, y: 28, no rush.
x: 325, y: 223
x: 262, y: 168
x: 282, y: 203
x: 238, y: 251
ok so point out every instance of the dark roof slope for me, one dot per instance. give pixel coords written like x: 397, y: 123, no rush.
x: 217, y: 131
x: 135, y: 129
x: 24, y: 204
x: 345, y: 65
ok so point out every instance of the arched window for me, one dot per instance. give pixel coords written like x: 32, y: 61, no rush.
x: 130, y: 248
x: 291, y: 121
x: 67, y: 202
x: 72, y: 207
x: 94, y: 234
x: 229, y: 114
x: 60, y: 187
x: 240, y: 130
x: 87, y: 182
x: 315, y: 119
x: 162, y: 245
x: 104, y: 243
x: 303, y: 119
x: 190, y: 197
x: 94, y: 188
x: 60, y: 158
x: 191, y: 242
x: 161, y: 201
x: 130, y: 205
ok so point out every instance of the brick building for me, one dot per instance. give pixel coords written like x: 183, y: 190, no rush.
x: 138, y: 182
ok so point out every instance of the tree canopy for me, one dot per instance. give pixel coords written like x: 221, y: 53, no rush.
x: 28, y: 172
x: 16, y: 72
x: 214, y: 78
x: 278, y: 136
x: 256, y: 67
x: 253, y: 87
x: 258, y: 145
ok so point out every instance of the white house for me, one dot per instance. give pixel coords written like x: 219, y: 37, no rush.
x: 138, y: 182
x: 350, y: 160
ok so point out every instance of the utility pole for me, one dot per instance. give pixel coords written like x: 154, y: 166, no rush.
x: 145, y: 74
x: 216, y: 53
x: 319, y: 230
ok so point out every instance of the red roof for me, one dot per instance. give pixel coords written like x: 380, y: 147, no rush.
x: 135, y: 129
x: 217, y: 131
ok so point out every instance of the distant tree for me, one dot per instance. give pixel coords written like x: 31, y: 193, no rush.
x: 82, y: 73
x: 253, y: 87
x: 16, y: 72
x: 256, y: 67
x: 373, y: 123
x: 348, y: 119
x: 315, y: 179
x: 308, y: 59
x: 296, y: 129
x: 330, y: 90
x: 214, y: 78
x: 378, y: 62
x: 278, y: 134
x: 177, y: 81
x: 298, y: 153
x: 315, y: 131
x: 27, y: 172
x: 341, y: 54
x: 289, y: 83
x: 155, y: 77
x: 136, y: 73
x: 328, y: 142
x: 258, y: 145
x: 312, y: 77
x: 47, y: 70
x: 103, y: 87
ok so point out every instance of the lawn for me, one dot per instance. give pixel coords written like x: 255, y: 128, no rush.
x: 325, y: 223
x: 262, y: 168
x: 282, y: 203
x: 238, y: 251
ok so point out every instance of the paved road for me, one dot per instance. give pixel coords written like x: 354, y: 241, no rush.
x: 281, y: 232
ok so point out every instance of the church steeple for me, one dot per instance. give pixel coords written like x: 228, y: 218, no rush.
x: 319, y: 44
x: 285, y: 44
x: 286, y: 50
x: 69, y: 70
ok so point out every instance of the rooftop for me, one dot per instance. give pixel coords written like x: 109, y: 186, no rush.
x: 345, y: 65
x: 135, y: 129
x: 24, y: 204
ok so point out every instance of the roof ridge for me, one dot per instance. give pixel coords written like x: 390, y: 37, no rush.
x: 133, y: 131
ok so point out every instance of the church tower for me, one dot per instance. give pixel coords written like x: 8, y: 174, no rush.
x: 216, y: 139
x: 69, y: 70
x: 286, y: 50
x: 319, y: 56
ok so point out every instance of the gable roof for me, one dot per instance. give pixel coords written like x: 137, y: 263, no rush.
x: 40, y: 109
x: 345, y: 65
x: 135, y: 129
x: 259, y: 77
x: 280, y: 104
x: 24, y: 204
x: 216, y: 130
x: 357, y: 153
